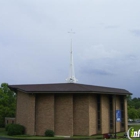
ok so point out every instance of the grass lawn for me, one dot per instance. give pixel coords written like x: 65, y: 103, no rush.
x: 136, y: 127
x: 3, y: 133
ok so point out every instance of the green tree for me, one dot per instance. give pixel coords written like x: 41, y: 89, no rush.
x: 136, y: 102
x: 138, y: 113
x: 7, y: 103
x: 132, y: 113
x: 130, y: 101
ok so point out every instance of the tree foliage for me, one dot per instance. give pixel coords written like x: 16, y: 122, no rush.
x: 7, y: 103
x: 133, y: 107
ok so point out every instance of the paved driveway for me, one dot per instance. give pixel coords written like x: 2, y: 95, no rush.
x: 2, y: 138
x: 133, y: 123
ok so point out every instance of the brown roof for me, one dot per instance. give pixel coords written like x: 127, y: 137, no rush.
x: 67, y: 88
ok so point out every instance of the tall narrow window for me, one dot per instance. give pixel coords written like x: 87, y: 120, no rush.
x: 111, y: 112
x: 122, y: 110
x: 98, y: 112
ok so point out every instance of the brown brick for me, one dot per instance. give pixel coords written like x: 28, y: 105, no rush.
x: 125, y: 115
x: 92, y: 115
x: 44, y: 113
x: 118, y: 124
x: 64, y: 115
x: 104, y: 114
x: 81, y: 115
x: 25, y: 111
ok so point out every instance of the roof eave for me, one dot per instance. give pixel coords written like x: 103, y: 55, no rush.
x: 71, y: 92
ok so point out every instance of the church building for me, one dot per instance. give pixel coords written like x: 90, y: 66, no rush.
x: 71, y: 109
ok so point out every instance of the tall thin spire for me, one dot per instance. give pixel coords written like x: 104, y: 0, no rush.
x: 71, y: 78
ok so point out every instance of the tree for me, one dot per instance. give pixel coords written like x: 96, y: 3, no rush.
x: 130, y: 101
x: 138, y: 113
x: 7, y: 103
x: 132, y: 113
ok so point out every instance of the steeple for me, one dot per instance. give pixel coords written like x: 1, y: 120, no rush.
x: 71, y: 78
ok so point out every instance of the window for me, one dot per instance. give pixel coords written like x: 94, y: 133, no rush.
x: 111, y: 112
x: 122, y: 110
x: 99, y: 112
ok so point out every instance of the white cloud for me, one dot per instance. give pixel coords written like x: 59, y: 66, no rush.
x: 99, y: 52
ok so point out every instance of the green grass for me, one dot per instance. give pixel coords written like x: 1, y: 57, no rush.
x: 3, y: 133
x: 136, y: 127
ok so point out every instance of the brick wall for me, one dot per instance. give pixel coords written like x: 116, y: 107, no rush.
x: 31, y: 115
x: 81, y: 115
x: 64, y: 115
x: 21, y: 112
x: 92, y: 115
x: 25, y: 111
x: 118, y: 124
x: 44, y: 113
x: 105, y: 114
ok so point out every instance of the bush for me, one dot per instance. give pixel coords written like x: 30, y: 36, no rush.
x: 49, y: 133
x: 15, y: 129
x: 7, y: 126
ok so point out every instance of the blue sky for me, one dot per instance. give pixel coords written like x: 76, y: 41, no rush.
x: 35, y: 44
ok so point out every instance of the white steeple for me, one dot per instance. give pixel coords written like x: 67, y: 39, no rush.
x: 71, y: 78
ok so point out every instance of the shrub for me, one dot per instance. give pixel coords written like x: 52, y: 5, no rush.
x: 49, y: 133
x: 15, y: 129
x: 7, y: 126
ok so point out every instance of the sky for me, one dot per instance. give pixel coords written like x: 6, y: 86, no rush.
x: 35, y: 43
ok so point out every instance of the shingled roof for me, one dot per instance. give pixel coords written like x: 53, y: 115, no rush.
x: 67, y: 88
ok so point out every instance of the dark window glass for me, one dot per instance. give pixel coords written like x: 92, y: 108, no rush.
x: 98, y: 112
x: 111, y: 111
x: 122, y: 110
x: 122, y: 124
x: 111, y: 125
